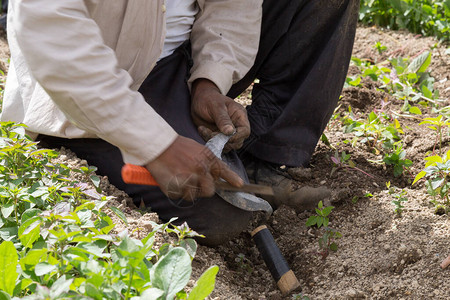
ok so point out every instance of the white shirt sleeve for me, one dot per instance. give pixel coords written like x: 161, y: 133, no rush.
x: 64, y: 51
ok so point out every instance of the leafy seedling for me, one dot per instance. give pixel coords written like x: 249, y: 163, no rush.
x: 397, y: 158
x: 342, y: 161
x: 437, y: 124
x: 400, y: 197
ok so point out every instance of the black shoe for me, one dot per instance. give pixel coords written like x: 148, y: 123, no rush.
x: 303, y: 198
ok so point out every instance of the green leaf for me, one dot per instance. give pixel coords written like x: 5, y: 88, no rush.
x: 29, y: 232
x: 333, y: 247
x: 320, y: 222
x: 420, y: 63
x: 43, y: 268
x: 205, y: 284
x: 32, y: 258
x: 4, y: 296
x: 29, y: 213
x: 93, y: 292
x: 152, y: 293
x: 327, y: 210
x: 8, y: 267
x: 95, y: 180
x: 7, y: 209
x: 8, y: 233
x: 311, y: 221
x: 426, y: 92
x: 419, y: 176
x: 190, y: 245
x: 172, y: 272
x: 60, y: 287
x: 119, y: 214
x: 415, y: 110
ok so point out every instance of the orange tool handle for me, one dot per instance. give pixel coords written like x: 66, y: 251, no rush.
x: 133, y: 174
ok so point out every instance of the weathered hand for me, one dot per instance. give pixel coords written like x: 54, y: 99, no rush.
x: 213, y: 112
x: 188, y: 170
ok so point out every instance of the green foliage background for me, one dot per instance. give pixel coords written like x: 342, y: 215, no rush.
x: 425, y: 17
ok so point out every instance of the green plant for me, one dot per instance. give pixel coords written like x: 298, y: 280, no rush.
x: 436, y: 172
x: 397, y: 159
x: 380, y: 48
x: 57, y: 240
x: 321, y: 217
x: 326, y: 241
x: 244, y: 263
x: 374, y: 131
x: 399, y: 195
x: 300, y: 296
x: 407, y: 80
x: 428, y: 17
x: 343, y: 161
x: 436, y: 124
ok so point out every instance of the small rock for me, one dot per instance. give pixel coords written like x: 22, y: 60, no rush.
x: 147, y: 225
x: 351, y: 292
x: 375, y: 184
x: 300, y: 174
x: 386, y: 247
x: 323, y: 182
x: 83, y: 162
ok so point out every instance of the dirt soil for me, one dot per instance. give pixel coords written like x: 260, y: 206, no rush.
x: 380, y: 255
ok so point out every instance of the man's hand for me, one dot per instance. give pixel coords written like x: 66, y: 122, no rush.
x: 188, y: 170
x: 213, y: 112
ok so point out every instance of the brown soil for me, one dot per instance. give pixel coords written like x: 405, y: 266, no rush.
x: 380, y: 255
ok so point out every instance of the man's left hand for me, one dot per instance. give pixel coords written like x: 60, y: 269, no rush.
x: 213, y: 112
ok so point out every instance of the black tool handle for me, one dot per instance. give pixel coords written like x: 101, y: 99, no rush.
x: 274, y: 259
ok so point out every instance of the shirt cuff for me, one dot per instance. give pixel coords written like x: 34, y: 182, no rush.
x: 214, y: 71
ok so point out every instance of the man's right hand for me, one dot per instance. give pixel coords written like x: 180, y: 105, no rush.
x: 188, y: 170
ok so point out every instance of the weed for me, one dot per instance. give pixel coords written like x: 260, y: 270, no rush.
x: 300, y: 296
x: 343, y: 161
x: 436, y: 172
x: 244, y: 263
x: 400, y: 197
x: 436, y: 124
x: 380, y: 48
x: 397, y: 159
x: 321, y: 219
x: 406, y: 80
x: 326, y: 242
x: 374, y: 132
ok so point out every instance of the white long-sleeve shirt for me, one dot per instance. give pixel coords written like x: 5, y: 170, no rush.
x: 76, y: 65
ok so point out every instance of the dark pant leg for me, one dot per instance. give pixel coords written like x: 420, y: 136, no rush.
x: 301, y: 65
x: 166, y: 91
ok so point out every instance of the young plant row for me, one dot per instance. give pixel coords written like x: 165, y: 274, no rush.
x: 57, y: 240
x: 408, y: 82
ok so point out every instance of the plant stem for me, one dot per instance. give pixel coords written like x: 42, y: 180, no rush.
x: 129, y: 284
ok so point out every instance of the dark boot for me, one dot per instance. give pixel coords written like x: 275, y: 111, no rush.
x: 284, y: 187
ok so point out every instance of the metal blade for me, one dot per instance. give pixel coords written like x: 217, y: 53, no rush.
x: 240, y: 199
x: 247, y: 188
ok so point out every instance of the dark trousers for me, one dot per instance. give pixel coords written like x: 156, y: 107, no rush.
x: 301, y: 65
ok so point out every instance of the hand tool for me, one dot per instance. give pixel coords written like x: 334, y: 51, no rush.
x: 239, y: 197
x: 139, y: 175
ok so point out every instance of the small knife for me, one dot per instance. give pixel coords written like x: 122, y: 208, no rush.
x: 133, y: 174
